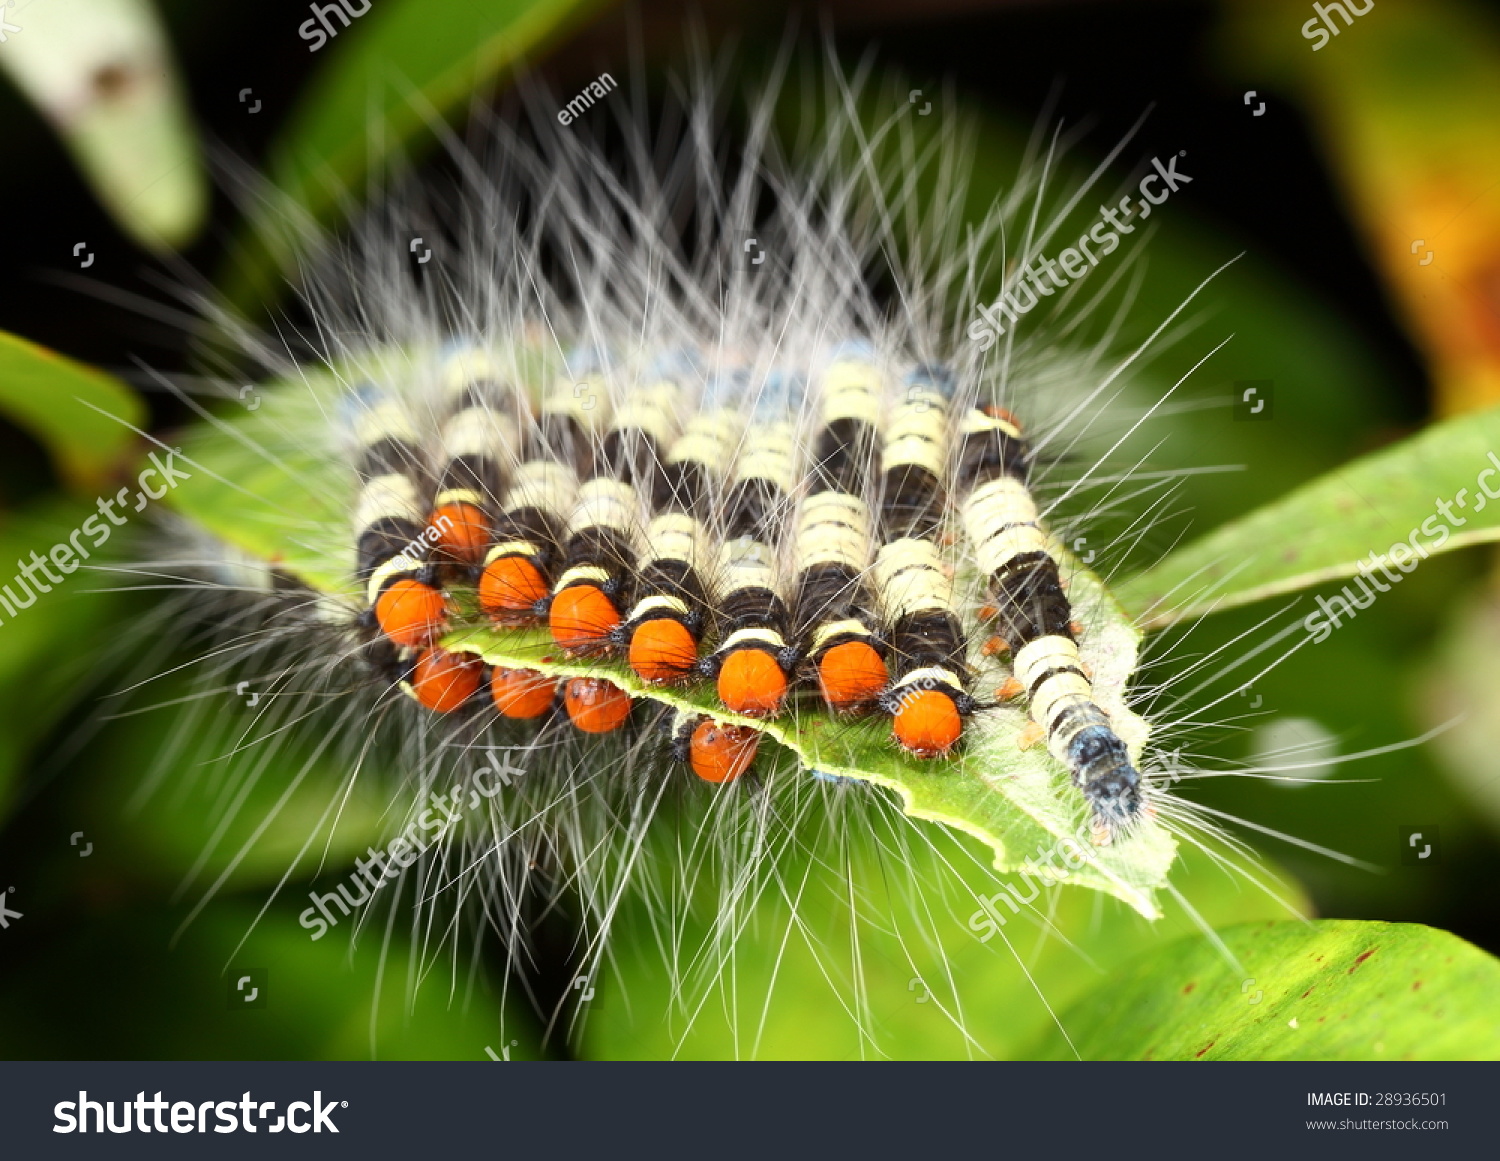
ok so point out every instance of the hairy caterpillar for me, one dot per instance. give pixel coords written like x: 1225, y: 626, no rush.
x: 604, y: 492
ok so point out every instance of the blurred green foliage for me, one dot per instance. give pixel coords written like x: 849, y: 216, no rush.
x: 1329, y: 990
x: 399, y: 73
x: 82, y: 416
x: 102, y: 73
x: 1392, y: 493
x: 98, y: 968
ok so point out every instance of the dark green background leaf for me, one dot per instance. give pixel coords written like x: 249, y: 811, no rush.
x: 1324, y: 529
x: 404, y: 65
x: 1326, y: 990
x: 55, y: 398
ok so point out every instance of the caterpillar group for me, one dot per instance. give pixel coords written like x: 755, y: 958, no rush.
x: 656, y: 462
x: 674, y: 465
x: 787, y: 531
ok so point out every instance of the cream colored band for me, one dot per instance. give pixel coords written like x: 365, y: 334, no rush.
x: 604, y: 503
x: 460, y: 496
x: 864, y: 408
x: 910, y: 577
x: 746, y: 564
x: 833, y: 528
x: 585, y: 399
x: 767, y: 455
x: 921, y: 401
x: 1049, y: 652
x: 709, y: 440
x: 851, y: 390
x: 384, y: 419
x: 828, y: 632
x: 1007, y: 544
x: 394, y: 567
x: 465, y: 367
x: 1057, y: 693
x: 388, y: 497
x: 542, y: 484
x: 674, y: 536
x: 929, y: 677
x: 581, y: 572
x: 916, y: 435
x: 478, y: 431
x: 757, y: 636
x: 978, y: 421
x: 660, y: 603
x: 1003, y: 500
x: 511, y: 548
x: 652, y: 409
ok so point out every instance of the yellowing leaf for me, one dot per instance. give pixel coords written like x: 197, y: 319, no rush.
x: 82, y: 416
x: 102, y: 73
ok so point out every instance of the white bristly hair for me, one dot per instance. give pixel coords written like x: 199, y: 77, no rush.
x: 548, y: 241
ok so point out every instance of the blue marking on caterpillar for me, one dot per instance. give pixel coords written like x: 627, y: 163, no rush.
x: 937, y: 376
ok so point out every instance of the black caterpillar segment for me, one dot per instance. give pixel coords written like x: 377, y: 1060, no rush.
x: 391, y: 539
x: 603, y: 543
x: 1033, y: 616
x: 515, y: 587
x: 670, y: 613
x: 837, y: 626
x: 480, y: 439
x: 928, y: 696
x: 754, y: 659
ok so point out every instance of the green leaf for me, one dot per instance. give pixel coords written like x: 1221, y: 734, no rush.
x: 862, y: 947
x: 1332, y: 396
x: 382, y: 997
x: 205, y: 811
x: 60, y: 403
x: 1016, y: 801
x: 265, y: 490
x: 1410, y: 151
x: 1327, y: 990
x: 389, y: 75
x: 102, y: 73
x: 1325, y: 529
x: 1460, y: 683
x: 51, y: 643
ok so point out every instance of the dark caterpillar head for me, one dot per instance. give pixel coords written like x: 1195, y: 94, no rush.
x: 1101, y: 767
